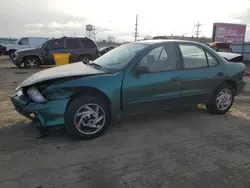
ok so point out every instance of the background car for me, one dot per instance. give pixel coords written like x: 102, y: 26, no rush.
x: 221, y: 46
x: 232, y: 57
x: 224, y: 49
x: 160, y: 37
x: 23, y: 43
x: 133, y: 78
x: 106, y: 49
x: 81, y: 49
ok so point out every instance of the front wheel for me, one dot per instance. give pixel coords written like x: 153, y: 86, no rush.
x: 85, y: 59
x: 31, y: 63
x: 87, y: 117
x: 221, y: 100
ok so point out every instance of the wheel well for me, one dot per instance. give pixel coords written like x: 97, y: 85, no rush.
x: 232, y: 83
x: 32, y: 56
x: 90, y: 91
x: 11, y: 50
x: 85, y: 55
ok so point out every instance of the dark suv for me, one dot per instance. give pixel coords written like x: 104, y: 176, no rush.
x: 81, y: 49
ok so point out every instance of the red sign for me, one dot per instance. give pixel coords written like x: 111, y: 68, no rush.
x: 225, y: 32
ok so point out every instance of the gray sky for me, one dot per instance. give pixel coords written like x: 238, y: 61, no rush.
x: 55, y: 18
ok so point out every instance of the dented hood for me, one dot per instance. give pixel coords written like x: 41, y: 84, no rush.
x: 74, y: 69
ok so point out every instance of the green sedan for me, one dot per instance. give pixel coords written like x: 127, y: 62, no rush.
x: 133, y: 78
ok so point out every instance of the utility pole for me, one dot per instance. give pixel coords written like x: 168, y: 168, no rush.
x: 136, y: 34
x: 198, y: 29
x: 74, y: 34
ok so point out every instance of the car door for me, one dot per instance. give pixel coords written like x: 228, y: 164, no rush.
x: 53, y: 46
x: 73, y: 47
x: 202, y: 73
x: 160, y: 88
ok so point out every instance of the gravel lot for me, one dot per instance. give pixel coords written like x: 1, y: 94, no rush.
x: 172, y: 149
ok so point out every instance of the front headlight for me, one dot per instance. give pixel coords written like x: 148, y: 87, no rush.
x: 19, y: 92
x: 35, y: 95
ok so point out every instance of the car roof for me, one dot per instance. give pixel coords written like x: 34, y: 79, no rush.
x: 162, y: 41
x: 36, y: 37
x: 85, y: 38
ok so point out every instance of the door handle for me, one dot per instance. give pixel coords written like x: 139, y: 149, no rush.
x: 220, y: 74
x: 175, y: 79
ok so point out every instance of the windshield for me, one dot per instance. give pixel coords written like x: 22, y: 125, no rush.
x: 17, y: 41
x: 119, y: 57
x: 42, y: 45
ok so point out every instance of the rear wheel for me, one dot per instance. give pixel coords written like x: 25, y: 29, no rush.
x: 31, y: 63
x: 85, y: 59
x: 222, y: 99
x: 87, y: 117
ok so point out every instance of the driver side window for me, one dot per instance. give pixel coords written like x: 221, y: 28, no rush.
x: 24, y: 41
x: 162, y: 58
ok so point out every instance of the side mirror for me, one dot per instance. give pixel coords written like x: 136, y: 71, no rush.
x: 142, y: 70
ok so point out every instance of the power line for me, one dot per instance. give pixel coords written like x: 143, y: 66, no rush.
x: 198, y: 29
x: 136, y: 34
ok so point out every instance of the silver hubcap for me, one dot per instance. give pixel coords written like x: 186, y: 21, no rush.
x: 89, y: 119
x: 32, y: 63
x: 224, y: 99
x: 85, y: 59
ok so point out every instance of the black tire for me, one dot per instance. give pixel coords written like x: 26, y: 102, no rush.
x: 85, y: 59
x: 212, y: 106
x: 31, y: 62
x: 77, y: 104
x: 11, y: 52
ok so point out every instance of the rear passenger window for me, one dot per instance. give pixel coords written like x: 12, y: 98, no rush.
x: 88, y: 44
x: 56, y: 44
x: 72, y: 44
x: 193, y: 56
x: 212, y: 61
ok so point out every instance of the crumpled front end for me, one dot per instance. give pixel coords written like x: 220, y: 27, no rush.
x: 49, y: 113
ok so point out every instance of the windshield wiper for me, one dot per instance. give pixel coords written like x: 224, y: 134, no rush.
x: 96, y: 65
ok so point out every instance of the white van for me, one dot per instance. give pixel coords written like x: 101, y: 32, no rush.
x: 24, y: 43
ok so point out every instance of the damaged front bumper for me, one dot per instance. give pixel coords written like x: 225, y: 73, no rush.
x: 50, y: 113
